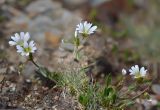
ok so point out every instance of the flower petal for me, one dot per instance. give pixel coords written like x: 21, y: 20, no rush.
x: 17, y: 37
x: 26, y: 37
x: 26, y: 45
x: 22, y: 34
x: 19, y: 49
x: 92, y: 29
x: 12, y: 43
x: 31, y: 44
x: 87, y: 27
x: 143, y: 71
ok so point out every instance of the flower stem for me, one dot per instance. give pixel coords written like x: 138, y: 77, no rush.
x: 31, y: 59
x: 141, y: 93
x: 76, y: 53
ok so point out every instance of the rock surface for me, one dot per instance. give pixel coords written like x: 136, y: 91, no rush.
x: 74, y: 3
x: 45, y: 17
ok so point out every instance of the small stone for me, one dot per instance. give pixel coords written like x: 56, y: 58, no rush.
x: 1, y: 78
x: 39, y: 108
x: 54, y: 107
x: 156, y: 88
x: 28, y: 80
x: 12, y: 87
x: 3, y: 70
x: 12, y: 69
x: 56, y: 97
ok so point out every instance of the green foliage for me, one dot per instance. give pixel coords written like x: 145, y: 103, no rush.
x: 75, y: 80
x: 158, y: 104
x: 130, y: 56
x: 93, y: 96
x: 132, y: 87
x: 54, y: 76
x: 130, y: 103
x: 108, y: 80
x: 83, y: 99
x: 89, y: 98
x: 76, y: 41
x: 108, y: 94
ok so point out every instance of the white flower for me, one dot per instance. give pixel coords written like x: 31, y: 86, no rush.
x: 19, y: 39
x: 85, y: 28
x: 27, y: 48
x: 124, y: 72
x: 137, y: 72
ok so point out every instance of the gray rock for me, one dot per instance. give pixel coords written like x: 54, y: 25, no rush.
x: 67, y: 46
x: 74, y: 3
x: 98, y: 2
x: 41, y: 6
x: 20, y: 20
x: 41, y: 23
x: 39, y: 26
x: 69, y: 20
x: 50, y: 18
x: 141, y: 3
x: 63, y: 26
x: 29, y: 70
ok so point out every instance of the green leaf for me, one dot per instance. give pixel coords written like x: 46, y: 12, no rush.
x: 43, y: 71
x: 108, y: 80
x: 158, y: 105
x: 54, y: 76
x: 107, y: 91
x: 130, y: 103
x: 76, y: 41
x: 114, y: 97
x: 83, y: 99
x: 131, y: 87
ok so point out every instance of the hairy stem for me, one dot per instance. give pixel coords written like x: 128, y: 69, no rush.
x: 31, y: 59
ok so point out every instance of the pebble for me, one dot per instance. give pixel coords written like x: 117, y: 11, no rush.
x: 3, y: 70
x: 12, y: 87
x: 1, y: 78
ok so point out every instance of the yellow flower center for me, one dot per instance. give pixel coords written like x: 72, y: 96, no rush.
x: 27, y: 49
x: 138, y: 75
